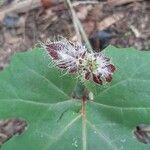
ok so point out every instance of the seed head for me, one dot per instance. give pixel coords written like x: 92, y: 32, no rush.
x: 74, y: 58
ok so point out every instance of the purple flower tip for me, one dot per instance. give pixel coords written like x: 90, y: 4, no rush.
x: 74, y: 58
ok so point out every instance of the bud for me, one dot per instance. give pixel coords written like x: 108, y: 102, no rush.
x: 74, y: 58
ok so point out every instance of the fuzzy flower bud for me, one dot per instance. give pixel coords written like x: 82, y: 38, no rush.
x: 74, y: 58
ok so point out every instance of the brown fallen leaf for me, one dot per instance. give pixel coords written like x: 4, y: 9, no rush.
x: 89, y: 27
x: 108, y: 21
x: 49, y: 3
x: 121, y: 2
x: 25, y: 6
x: 83, y: 12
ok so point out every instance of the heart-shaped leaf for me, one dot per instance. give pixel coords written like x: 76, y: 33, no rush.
x: 29, y: 89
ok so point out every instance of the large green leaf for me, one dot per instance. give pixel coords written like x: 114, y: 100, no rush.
x: 29, y: 89
x: 122, y: 105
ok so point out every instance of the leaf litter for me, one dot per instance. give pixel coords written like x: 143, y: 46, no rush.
x: 24, y: 23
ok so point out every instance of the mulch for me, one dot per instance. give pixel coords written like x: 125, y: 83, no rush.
x: 128, y: 25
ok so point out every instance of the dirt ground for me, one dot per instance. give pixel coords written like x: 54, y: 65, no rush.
x: 125, y: 24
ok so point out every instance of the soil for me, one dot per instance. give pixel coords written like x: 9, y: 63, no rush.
x: 127, y: 24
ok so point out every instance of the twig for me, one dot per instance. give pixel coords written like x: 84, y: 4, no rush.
x: 74, y: 20
x: 135, y: 31
x: 74, y: 4
x: 78, y: 27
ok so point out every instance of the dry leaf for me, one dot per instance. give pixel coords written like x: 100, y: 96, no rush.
x: 108, y: 21
x: 121, y: 2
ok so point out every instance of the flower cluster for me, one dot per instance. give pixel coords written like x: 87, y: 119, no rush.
x: 74, y: 58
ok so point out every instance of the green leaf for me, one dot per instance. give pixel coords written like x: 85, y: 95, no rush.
x: 123, y: 104
x: 29, y: 89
